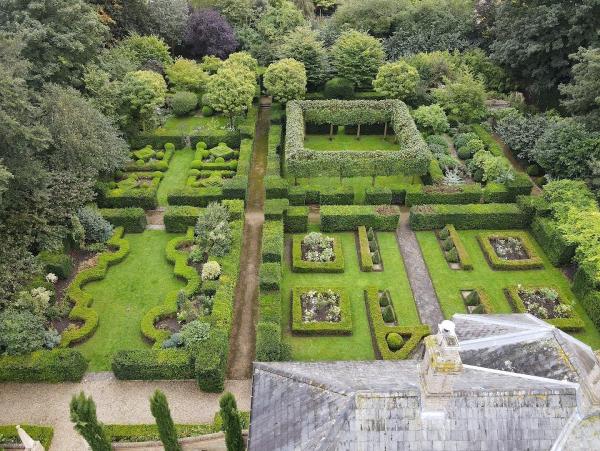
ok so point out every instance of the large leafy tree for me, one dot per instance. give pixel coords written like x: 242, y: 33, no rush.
x: 147, y: 49
x: 581, y: 96
x: 169, y: 17
x: 533, y: 40
x: 231, y: 91
x: 141, y: 94
x: 208, y: 33
x: 285, y: 80
x: 397, y: 80
x: 303, y: 45
x: 59, y: 36
x: 463, y: 99
x: 186, y: 75
x: 357, y: 57
x: 375, y: 16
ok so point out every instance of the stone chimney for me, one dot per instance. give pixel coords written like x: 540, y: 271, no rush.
x: 441, y: 363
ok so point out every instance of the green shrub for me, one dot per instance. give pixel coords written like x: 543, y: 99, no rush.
x: 387, y: 314
x: 270, y: 276
x: 272, y: 241
x: 461, y: 139
x: 178, y: 218
x: 297, y: 195
x: 394, y: 341
x: 58, y: 365
x: 378, y: 196
x: 152, y: 364
x: 295, y: 220
x: 159, y: 407
x: 183, y: 103
x: 338, y: 88
x: 472, y: 298
x: 231, y: 423
x: 337, y: 195
x: 442, y: 194
x: 268, y: 342
x: 497, y: 193
x: 444, y: 233
x: 97, y: 229
x: 349, y: 217
x: 464, y: 153
x: 452, y: 255
x: 270, y: 307
x: 463, y: 256
x: 276, y: 187
x: 207, y: 111
x: 548, y: 235
x: 149, y: 432
x: 469, y: 216
x: 57, y: 263
x: 366, y: 261
x: 133, y: 219
x: 210, y: 362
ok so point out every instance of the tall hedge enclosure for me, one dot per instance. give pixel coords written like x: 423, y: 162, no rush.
x: 412, y: 158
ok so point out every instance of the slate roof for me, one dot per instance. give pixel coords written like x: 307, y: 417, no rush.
x: 532, y: 404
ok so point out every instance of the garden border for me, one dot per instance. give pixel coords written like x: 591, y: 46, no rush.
x: 344, y: 327
x: 533, y: 262
x: 303, y: 266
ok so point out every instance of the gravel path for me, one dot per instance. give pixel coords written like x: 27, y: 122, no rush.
x: 426, y: 300
x: 118, y: 402
x: 245, y: 312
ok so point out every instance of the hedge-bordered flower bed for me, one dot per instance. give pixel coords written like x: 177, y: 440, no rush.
x: 379, y: 330
x: 126, y: 193
x: 412, y: 158
x: 82, y: 300
x: 299, y: 265
x: 498, y: 263
x: 343, y: 327
x: 570, y: 324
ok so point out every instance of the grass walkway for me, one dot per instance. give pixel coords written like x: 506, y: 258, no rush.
x: 449, y: 282
x: 129, y: 290
x: 341, y: 141
x: 176, y: 175
x: 358, y: 346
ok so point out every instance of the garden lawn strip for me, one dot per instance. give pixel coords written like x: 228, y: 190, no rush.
x: 129, y: 289
x: 448, y: 283
x: 342, y: 141
x: 176, y: 175
x: 357, y: 346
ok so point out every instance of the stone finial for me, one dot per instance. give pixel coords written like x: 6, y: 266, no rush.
x: 441, y: 363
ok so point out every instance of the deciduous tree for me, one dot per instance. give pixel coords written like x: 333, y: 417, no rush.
x: 285, y: 80
x: 357, y: 57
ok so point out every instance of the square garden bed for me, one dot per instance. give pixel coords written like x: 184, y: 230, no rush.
x: 321, y: 311
x: 547, y: 303
x: 316, y: 252
x: 509, y: 251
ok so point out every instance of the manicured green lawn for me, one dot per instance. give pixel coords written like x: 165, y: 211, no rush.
x: 342, y: 141
x: 358, y: 346
x: 129, y: 289
x: 176, y: 175
x: 449, y: 282
x: 198, y: 123
x: 359, y: 184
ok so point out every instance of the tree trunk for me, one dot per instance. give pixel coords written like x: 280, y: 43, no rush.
x: 385, y: 130
x: 358, y: 132
x: 330, y: 132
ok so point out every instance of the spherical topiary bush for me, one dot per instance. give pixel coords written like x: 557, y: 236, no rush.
x: 200, y: 145
x: 183, y: 102
x: 452, y: 255
x: 338, y: 88
x: 394, y: 341
x: 160, y: 155
x: 207, y: 111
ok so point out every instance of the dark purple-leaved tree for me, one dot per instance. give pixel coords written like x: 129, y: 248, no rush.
x: 208, y: 33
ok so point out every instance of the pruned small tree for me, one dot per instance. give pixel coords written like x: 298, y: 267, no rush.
x: 231, y: 91
x: 231, y: 423
x: 166, y: 428
x: 285, y: 80
x: 83, y: 416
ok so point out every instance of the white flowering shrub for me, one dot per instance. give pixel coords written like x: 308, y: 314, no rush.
x: 211, y: 270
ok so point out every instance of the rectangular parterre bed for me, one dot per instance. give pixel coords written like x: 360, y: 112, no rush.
x: 449, y: 283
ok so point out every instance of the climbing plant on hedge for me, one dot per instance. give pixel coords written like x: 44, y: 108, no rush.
x: 412, y: 158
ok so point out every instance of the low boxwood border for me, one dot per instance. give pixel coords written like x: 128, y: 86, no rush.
x: 533, y: 262
x: 132, y: 219
x: 379, y: 330
x: 299, y: 265
x: 149, y: 432
x: 169, y: 305
x: 43, y: 434
x: 82, y: 300
x: 465, y: 259
x: 571, y: 324
x: 365, y: 259
x: 344, y: 327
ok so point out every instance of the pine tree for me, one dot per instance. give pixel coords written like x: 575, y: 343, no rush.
x: 83, y: 415
x: 166, y: 428
x: 231, y: 423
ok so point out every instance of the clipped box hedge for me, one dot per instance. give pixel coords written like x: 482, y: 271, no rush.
x: 133, y: 220
x: 497, y: 193
x: 297, y: 195
x: 152, y: 364
x: 483, y: 300
x: 42, y: 434
x: 149, y: 432
x: 272, y: 241
x: 378, y: 196
x: 379, y: 330
x: 469, y: 216
x: 268, y: 342
x: 295, y: 220
x: 343, y: 327
x: 276, y: 187
x: 57, y: 263
x: 57, y: 365
x: 498, y: 263
x: 546, y: 232
x: 198, y: 197
x: 235, y: 187
x: 275, y: 208
x: 303, y: 266
x: 571, y: 324
x: 337, y: 195
x: 178, y: 218
x: 82, y: 300
x: 270, y: 276
x: 269, y: 303
x: 443, y: 194
x: 343, y: 218
x: 365, y: 259
x: 465, y: 259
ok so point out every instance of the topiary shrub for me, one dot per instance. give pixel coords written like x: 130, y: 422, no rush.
x: 472, y: 298
x: 338, y: 88
x: 207, y: 111
x: 384, y: 301
x: 183, y: 102
x: 452, y: 255
x: 448, y: 244
x: 375, y: 258
x: 444, y: 233
x: 388, y: 314
x: 394, y: 341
